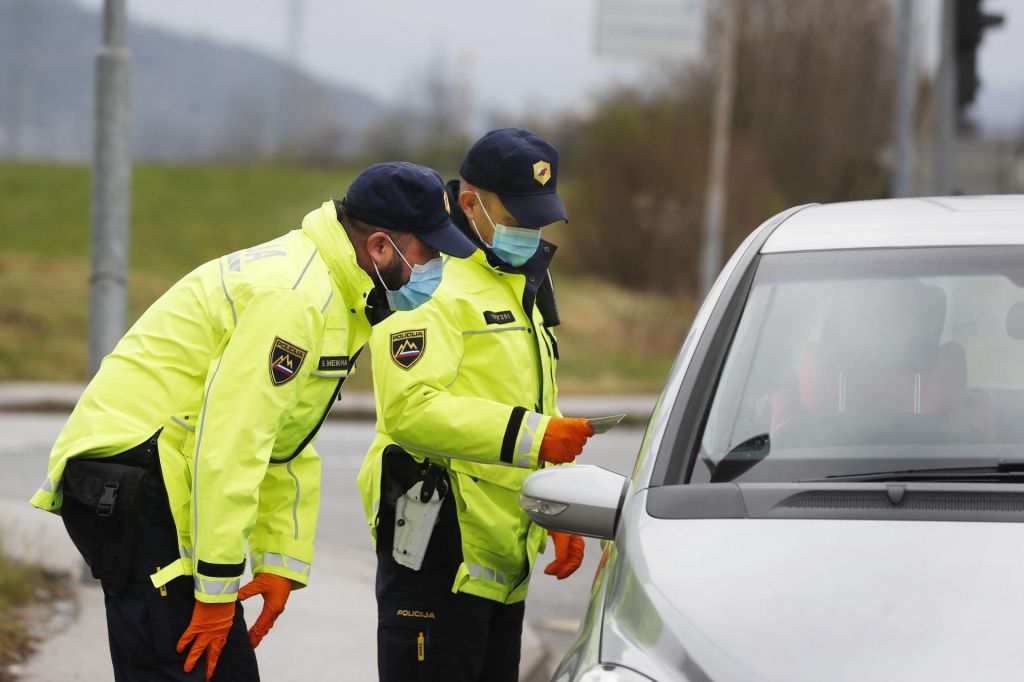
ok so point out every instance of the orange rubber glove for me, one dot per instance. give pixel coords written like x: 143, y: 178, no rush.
x: 564, y: 439
x: 275, y: 591
x: 568, y: 554
x: 207, y: 632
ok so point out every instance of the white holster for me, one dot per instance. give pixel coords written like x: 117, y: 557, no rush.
x: 414, y: 524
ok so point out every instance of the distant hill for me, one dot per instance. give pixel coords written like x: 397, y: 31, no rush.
x: 191, y: 98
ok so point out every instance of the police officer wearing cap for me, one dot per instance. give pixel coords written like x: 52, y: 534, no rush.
x: 466, y: 409
x: 191, y: 447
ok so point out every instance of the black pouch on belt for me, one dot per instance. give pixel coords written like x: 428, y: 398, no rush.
x: 101, y: 508
x: 401, y: 472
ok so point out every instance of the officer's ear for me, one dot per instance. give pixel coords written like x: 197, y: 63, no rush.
x: 467, y: 201
x: 380, y: 249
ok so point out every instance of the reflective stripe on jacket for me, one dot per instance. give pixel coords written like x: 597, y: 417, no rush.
x: 467, y: 380
x: 238, y: 364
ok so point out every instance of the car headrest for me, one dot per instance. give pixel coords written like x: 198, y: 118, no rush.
x: 1015, y: 321
x: 893, y: 325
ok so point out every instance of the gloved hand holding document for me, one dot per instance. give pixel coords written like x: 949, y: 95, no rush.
x: 603, y: 424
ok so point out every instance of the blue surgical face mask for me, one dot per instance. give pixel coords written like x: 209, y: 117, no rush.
x: 514, y: 245
x: 422, y: 283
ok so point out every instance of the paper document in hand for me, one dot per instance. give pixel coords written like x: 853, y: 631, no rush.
x: 602, y: 424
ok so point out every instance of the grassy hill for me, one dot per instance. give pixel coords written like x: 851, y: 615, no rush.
x: 610, y: 340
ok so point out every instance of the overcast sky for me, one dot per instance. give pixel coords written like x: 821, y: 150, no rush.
x: 533, y: 56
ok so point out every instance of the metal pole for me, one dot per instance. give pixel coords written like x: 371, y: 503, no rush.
x: 945, y: 102
x: 111, y: 188
x: 903, y: 118
x: 296, y: 119
x: 715, y: 196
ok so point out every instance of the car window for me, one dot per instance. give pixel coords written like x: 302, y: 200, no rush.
x: 869, y: 360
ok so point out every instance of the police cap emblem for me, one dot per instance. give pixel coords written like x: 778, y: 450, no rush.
x: 542, y: 172
x: 407, y: 347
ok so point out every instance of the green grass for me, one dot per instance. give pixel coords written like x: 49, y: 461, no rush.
x: 182, y: 216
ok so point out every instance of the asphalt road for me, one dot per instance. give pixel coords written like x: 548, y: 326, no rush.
x: 553, y: 607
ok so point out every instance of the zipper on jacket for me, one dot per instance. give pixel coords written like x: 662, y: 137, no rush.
x: 552, y: 355
x: 539, y: 407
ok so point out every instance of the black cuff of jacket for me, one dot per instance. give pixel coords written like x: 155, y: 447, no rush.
x: 220, y: 570
x: 508, y: 443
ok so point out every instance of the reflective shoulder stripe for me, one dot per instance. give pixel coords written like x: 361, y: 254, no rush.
x: 224, y: 286
x: 303, y: 273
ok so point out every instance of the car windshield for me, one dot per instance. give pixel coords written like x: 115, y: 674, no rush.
x: 856, y: 361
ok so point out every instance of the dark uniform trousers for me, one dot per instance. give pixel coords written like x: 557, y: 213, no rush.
x: 427, y: 633
x: 144, y: 624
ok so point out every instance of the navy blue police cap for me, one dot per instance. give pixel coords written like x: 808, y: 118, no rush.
x: 405, y: 197
x: 522, y: 169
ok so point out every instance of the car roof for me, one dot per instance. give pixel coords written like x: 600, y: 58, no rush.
x: 895, y: 223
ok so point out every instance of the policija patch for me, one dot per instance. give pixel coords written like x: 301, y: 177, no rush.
x: 407, y: 347
x: 285, y: 361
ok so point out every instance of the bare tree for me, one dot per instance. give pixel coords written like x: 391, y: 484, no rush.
x: 812, y: 117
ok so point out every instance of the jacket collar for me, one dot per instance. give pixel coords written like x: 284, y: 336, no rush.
x: 534, y: 273
x: 323, y: 228
x: 537, y: 265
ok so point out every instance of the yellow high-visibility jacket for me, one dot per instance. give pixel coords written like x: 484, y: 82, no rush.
x: 238, y: 364
x: 467, y: 380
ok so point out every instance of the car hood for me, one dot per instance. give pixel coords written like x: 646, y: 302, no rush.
x: 788, y: 600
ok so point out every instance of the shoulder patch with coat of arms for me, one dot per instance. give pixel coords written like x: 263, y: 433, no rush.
x: 285, y: 361
x: 407, y: 347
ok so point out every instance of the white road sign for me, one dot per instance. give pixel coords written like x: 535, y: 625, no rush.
x: 652, y: 29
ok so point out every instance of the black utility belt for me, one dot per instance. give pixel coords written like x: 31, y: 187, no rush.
x: 102, y: 498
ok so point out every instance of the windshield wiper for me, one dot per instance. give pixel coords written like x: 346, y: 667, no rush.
x: 742, y: 458
x: 1004, y: 470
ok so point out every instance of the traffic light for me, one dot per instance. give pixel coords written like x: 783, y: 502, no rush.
x: 970, y: 24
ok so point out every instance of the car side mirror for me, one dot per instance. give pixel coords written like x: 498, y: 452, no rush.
x: 582, y: 499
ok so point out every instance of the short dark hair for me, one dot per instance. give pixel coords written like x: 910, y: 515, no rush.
x: 357, y: 228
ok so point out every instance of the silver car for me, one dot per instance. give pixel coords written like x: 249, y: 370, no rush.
x: 831, y: 486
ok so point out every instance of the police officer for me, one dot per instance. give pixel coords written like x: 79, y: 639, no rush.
x: 466, y: 408
x: 192, y: 444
